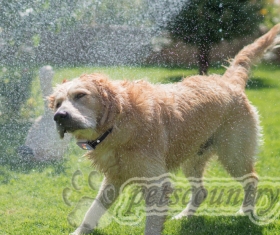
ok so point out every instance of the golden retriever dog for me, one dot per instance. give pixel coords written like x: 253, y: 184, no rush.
x: 139, y: 129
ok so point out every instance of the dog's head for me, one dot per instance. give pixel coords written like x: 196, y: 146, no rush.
x: 84, y: 105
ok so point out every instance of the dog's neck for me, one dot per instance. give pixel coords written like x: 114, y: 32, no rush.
x: 91, y: 145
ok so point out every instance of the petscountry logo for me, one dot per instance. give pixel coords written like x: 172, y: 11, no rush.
x: 225, y: 196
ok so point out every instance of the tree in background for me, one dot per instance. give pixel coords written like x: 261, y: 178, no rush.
x: 205, y: 22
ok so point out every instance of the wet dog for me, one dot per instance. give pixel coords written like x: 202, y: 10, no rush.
x: 138, y: 129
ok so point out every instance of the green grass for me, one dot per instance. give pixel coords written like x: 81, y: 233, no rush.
x: 31, y: 201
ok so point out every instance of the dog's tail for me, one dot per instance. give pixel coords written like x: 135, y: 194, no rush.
x: 238, y: 71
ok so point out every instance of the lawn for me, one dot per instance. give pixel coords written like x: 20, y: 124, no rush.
x: 45, y: 200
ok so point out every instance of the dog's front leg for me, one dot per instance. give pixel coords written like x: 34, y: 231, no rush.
x: 91, y: 218
x: 107, y: 194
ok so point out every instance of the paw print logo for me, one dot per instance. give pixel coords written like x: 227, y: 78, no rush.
x: 81, y: 205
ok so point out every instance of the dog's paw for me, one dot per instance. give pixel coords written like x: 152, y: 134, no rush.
x: 82, y: 231
x: 178, y: 217
x: 245, y: 212
x: 77, y: 214
x: 240, y: 212
x: 188, y: 212
x: 183, y: 214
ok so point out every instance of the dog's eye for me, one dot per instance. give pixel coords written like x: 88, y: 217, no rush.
x: 79, y: 96
x: 58, y: 105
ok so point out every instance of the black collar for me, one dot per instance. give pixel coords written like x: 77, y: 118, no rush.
x: 91, y: 145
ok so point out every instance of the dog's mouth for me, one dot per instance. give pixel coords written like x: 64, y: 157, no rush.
x: 71, y: 129
x: 61, y: 129
x: 65, y: 123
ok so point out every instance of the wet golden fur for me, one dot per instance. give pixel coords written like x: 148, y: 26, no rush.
x: 158, y: 128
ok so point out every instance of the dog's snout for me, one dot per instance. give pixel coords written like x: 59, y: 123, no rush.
x: 60, y: 116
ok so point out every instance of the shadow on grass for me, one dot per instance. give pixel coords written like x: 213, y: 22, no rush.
x: 172, y: 79
x: 254, y: 83
x: 200, y: 225
x: 257, y: 83
x: 197, y: 225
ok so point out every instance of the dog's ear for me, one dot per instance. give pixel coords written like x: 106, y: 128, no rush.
x: 110, y: 98
x: 51, y: 100
x: 111, y: 103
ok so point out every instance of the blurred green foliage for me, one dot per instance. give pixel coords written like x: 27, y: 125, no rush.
x: 203, y: 23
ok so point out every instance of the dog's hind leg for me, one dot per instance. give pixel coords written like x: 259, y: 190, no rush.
x: 193, y: 168
x: 236, y: 149
x: 241, y: 168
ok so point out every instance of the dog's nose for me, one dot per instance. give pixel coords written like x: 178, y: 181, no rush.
x: 60, y: 116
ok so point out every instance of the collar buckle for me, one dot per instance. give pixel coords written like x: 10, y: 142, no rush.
x: 91, y: 145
